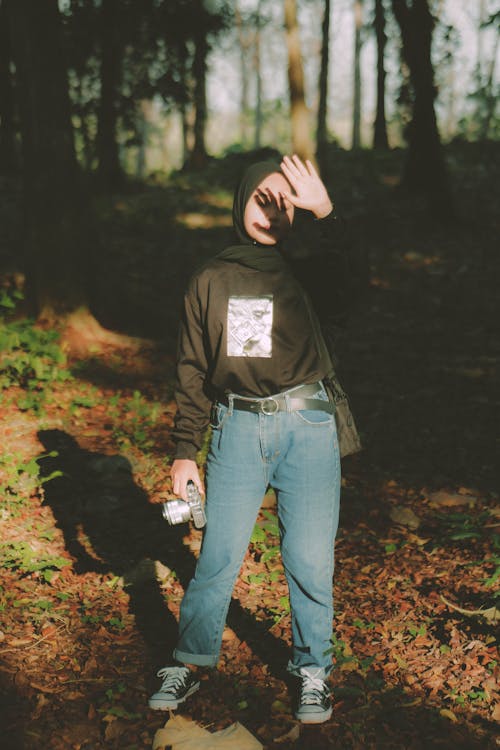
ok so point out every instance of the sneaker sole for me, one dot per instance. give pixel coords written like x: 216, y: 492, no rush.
x: 160, y: 704
x: 314, y: 718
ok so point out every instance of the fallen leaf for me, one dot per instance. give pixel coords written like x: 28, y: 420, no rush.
x: 447, y: 714
x: 450, y: 499
x: 114, y: 730
x: 291, y: 736
x: 404, y: 516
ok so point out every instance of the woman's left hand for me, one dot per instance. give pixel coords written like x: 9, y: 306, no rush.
x: 309, y: 190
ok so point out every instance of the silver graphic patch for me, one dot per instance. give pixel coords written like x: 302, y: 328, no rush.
x: 249, y: 326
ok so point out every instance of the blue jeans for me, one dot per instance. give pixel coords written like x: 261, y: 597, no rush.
x: 297, y: 454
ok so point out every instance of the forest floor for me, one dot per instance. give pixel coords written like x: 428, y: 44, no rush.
x: 91, y: 576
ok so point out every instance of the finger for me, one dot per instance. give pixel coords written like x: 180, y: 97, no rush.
x: 175, y: 485
x: 311, y: 169
x: 291, y: 166
x: 293, y: 199
x: 289, y: 176
x: 300, y: 166
x: 261, y: 196
x: 271, y: 196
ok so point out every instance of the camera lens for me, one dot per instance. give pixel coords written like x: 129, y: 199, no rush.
x: 176, y: 511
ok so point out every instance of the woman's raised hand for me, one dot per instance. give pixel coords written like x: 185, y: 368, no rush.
x: 310, y: 192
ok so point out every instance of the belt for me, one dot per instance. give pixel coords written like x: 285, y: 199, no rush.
x: 294, y: 400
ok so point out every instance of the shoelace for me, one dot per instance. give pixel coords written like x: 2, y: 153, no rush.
x: 173, y: 677
x: 312, y: 689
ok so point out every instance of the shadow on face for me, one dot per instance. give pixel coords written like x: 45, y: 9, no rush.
x: 268, y: 213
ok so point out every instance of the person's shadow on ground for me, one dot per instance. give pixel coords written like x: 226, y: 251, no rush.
x: 96, y: 497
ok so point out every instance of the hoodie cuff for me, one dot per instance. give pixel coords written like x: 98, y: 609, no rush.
x: 332, y: 216
x: 186, y: 449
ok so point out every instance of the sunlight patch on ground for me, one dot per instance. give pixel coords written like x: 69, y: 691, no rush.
x: 196, y: 220
x: 217, y: 200
x: 418, y: 260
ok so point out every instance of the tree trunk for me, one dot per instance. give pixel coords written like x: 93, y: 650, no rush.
x: 8, y: 146
x: 110, y: 172
x: 258, y: 78
x: 55, y: 267
x: 145, y: 111
x: 425, y: 168
x: 491, y: 99
x: 322, y: 131
x: 199, y: 154
x: 380, y: 128
x: 479, y: 43
x: 87, y: 142
x: 185, y: 106
x: 302, y: 142
x: 244, y: 85
x: 356, y: 109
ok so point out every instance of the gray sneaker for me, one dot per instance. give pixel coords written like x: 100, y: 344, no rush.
x: 178, y: 684
x: 314, y: 705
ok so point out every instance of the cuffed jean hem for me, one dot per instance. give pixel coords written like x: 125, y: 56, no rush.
x: 200, y: 660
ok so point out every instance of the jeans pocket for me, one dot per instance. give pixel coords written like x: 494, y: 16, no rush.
x: 316, y: 418
x: 218, y: 415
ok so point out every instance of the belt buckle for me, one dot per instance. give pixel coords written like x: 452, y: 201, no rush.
x: 265, y: 408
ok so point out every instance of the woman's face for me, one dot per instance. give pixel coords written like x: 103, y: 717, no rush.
x: 268, y: 215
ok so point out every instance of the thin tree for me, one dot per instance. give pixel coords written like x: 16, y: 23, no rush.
x: 302, y: 142
x: 425, y: 168
x: 258, y: 75
x: 185, y: 102
x: 486, y: 109
x: 322, y: 131
x: 145, y: 113
x: 380, y: 140
x: 491, y: 97
x: 111, y: 39
x: 243, y: 45
x: 358, y: 42
x: 199, y: 155
x: 8, y: 150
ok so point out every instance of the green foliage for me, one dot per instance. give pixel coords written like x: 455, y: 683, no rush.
x: 340, y: 651
x: 8, y: 300
x: 362, y: 625
x: 460, y: 526
x: 30, y: 358
x: 112, y: 703
x: 116, y: 622
x: 19, y: 479
x: 141, y: 414
x: 416, y: 630
x: 20, y: 556
x: 265, y: 537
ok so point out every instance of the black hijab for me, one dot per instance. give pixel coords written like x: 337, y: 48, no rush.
x: 249, y: 252
x: 248, y: 184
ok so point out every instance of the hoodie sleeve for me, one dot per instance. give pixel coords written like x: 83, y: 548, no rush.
x: 193, y: 405
x: 333, y: 269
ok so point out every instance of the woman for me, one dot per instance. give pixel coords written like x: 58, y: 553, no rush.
x: 251, y: 353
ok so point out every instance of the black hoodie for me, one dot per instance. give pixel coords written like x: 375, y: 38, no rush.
x: 248, y: 327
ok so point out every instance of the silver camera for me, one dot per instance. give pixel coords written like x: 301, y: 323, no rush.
x: 178, y: 511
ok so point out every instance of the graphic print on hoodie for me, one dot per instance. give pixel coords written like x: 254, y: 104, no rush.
x: 250, y: 326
